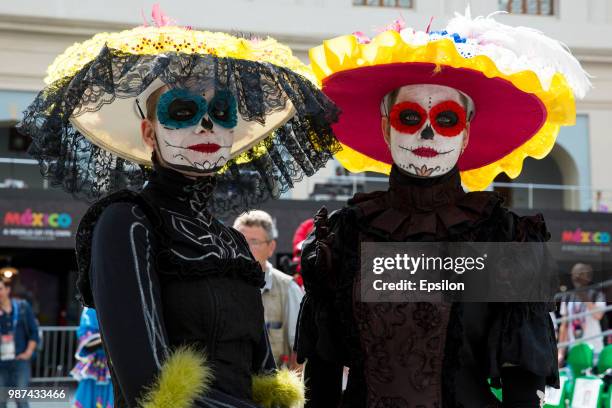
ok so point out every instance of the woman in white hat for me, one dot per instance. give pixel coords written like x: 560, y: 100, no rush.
x: 214, y: 123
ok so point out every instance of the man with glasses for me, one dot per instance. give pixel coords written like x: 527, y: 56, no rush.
x: 281, y: 295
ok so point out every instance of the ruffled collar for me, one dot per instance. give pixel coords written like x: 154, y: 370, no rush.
x: 423, y: 208
x: 411, y: 193
x: 174, y: 191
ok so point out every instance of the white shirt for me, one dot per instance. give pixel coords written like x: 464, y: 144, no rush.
x: 587, y: 324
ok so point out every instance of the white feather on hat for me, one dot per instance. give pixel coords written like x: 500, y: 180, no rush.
x: 515, y: 49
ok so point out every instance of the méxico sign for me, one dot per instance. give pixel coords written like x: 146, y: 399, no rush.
x: 35, y: 223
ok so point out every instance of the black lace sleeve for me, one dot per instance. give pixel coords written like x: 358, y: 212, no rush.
x: 318, y: 335
x: 126, y: 294
x: 318, y: 323
x: 522, y: 335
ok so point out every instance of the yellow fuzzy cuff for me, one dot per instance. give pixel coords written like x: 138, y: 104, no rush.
x: 283, y: 388
x: 183, y: 377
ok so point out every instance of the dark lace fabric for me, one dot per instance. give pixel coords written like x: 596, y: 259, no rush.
x: 170, y: 202
x: 409, y: 355
x: 299, y: 147
x: 201, y: 287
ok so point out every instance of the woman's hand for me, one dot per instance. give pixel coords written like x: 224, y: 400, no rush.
x: 26, y: 355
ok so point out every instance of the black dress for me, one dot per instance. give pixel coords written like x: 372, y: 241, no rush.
x: 161, y: 272
x: 425, y: 355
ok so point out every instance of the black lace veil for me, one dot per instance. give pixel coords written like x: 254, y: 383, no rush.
x: 299, y: 147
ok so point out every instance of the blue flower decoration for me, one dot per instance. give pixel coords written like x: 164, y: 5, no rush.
x: 455, y: 37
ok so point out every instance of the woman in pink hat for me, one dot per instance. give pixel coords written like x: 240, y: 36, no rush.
x: 436, y: 110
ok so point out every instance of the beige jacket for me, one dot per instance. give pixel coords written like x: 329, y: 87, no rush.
x: 281, y: 299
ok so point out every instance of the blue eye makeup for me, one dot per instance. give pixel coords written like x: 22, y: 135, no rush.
x: 178, y: 108
x: 222, y: 109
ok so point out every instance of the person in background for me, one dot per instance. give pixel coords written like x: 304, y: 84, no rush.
x: 599, y: 205
x: 95, y: 389
x: 19, y: 337
x: 300, y: 235
x: 577, y: 302
x: 281, y: 294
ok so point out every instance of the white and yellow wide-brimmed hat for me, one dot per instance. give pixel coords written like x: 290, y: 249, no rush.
x: 85, y: 124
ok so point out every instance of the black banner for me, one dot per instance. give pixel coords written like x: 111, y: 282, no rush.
x: 32, y: 219
x: 585, y: 236
x: 49, y: 218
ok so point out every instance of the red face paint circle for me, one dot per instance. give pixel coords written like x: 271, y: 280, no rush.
x: 407, y: 117
x: 448, y: 118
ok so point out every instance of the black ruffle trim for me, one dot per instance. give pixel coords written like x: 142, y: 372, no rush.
x: 522, y: 334
x: 171, y: 266
x: 449, y: 221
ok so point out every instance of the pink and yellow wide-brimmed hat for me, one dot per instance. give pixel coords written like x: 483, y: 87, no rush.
x: 522, y: 83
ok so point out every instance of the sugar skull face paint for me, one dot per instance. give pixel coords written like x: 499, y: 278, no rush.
x: 427, y: 128
x: 195, y: 131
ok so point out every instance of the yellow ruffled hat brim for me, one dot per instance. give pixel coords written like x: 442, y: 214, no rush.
x: 345, y: 54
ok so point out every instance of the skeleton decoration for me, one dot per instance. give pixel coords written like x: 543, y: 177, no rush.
x: 195, y: 131
x: 426, y: 128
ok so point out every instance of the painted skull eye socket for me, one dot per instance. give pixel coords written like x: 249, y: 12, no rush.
x: 448, y: 118
x: 182, y: 110
x: 410, y: 117
x: 219, y: 110
x: 222, y: 109
x: 179, y: 108
x: 407, y: 117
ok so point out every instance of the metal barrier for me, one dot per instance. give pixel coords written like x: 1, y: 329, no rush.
x: 600, y: 286
x: 55, y: 354
x: 344, y: 187
x: 563, y: 297
x: 589, y: 312
x: 584, y: 198
x: 583, y: 339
